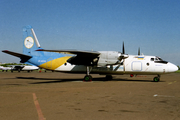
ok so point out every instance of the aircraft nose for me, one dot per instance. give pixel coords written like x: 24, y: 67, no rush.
x: 172, y: 67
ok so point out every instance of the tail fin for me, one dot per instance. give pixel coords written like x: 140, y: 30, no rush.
x: 30, y: 39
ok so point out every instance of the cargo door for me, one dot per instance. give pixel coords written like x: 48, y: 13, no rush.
x: 136, y: 66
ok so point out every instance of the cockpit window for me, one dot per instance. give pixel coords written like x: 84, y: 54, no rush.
x: 159, y: 60
x: 152, y: 59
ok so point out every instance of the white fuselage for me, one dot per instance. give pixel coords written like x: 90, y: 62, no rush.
x: 150, y: 65
x: 5, y: 68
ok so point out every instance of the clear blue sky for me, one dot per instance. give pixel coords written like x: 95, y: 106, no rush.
x: 152, y: 25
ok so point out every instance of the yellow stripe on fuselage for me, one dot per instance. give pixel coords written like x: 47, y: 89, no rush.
x: 53, y: 64
x: 140, y: 58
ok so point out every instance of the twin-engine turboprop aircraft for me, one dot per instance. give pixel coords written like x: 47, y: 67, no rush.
x: 95, y: 62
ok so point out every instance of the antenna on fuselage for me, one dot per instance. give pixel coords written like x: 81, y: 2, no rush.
x: 36, y: 40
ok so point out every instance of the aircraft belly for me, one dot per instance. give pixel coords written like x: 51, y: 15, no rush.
x: 71, y: 68
x: 94, y: 70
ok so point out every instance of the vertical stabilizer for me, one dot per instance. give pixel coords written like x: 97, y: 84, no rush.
x: 30, y: 39
x: 36, y: 40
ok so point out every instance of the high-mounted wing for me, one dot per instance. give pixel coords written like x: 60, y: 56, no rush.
x: 76, y: 52
x: 23, y: 57
x: 81, y: 58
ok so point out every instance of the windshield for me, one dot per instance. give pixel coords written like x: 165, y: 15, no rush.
x: 158, y: 59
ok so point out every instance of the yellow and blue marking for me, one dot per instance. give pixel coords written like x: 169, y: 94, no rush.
x: 140, y: 58
x: 55, y: 63
x: 47, y: 60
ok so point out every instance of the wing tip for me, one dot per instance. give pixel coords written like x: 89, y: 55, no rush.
x: 5, y: 50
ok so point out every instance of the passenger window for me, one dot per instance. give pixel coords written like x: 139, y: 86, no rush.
x: 152, y: 59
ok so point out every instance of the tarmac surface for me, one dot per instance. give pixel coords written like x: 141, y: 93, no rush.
x: 61, y: 96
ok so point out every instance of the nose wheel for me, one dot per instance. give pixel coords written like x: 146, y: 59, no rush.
x: 156, y: 79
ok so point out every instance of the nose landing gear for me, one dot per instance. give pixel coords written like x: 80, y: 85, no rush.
x: 156, y: 79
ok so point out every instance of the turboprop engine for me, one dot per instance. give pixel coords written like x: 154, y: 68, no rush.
x: 110, y: 58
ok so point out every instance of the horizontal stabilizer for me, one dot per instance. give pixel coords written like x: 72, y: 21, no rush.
x: 23, y: 57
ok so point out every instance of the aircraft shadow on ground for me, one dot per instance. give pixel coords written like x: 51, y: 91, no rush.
x: 59, y: 80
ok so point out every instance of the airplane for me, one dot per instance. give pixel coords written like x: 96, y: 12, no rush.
x: 90, y: 62
x: 23, y: 68
x: 5, y: 68
x: 19, y: 68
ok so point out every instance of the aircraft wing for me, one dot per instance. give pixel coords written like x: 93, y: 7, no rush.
x: 23, y: 57
x: 81, y: 58
x: 76, y: 52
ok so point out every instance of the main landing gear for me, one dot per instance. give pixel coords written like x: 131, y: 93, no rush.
x: 88, y: 77
x: 156, y: 79
x: 109, y: 77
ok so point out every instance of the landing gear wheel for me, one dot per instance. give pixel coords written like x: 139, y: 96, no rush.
x: 109, y: 77
x: 156, y: 79
x: 88, y: 78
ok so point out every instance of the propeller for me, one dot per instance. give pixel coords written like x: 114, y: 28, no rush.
x: 123, y: 50
x: 123, y: 55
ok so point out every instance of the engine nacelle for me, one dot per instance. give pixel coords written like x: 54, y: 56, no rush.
x: 108, y: 58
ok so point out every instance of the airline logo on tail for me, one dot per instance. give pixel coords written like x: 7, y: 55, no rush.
x: 29, y: 42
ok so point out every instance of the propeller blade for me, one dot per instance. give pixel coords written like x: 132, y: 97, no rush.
x: 123, y: 50
x: 139, y: 51
x: 123, y: 55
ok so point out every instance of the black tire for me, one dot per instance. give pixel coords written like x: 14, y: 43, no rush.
x: 156, y: 79
x: 87, y: 78
x: 109, y: 77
